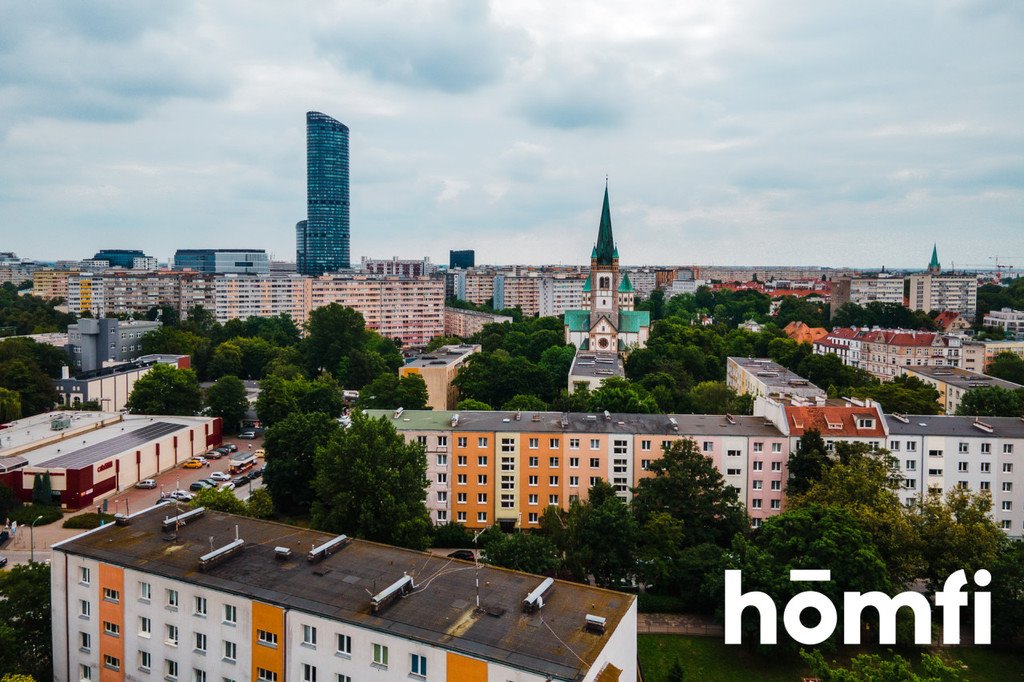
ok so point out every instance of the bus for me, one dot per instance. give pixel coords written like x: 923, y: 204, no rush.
x: 242, y: 462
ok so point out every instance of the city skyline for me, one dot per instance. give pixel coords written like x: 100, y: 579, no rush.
x: 732, y: 134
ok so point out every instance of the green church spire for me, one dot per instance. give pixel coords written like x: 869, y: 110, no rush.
x: 605, y: 250
x: 934, y: 266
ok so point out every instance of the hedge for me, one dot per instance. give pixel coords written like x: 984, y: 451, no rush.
x: 88, y: 521
x: 27, y: 513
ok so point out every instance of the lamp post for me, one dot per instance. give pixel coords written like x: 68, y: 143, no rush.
x: 32, y: 540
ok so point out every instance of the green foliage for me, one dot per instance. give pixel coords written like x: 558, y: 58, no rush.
x: 88, y: 520
x: 621, y: 395
x: 522, y: 551
x: 439, y: 341
x: 15, y: 677
x: 260, y: 505
x: 389, y: 391
x: 807, y: 463
x: 1008, y: 593
x: 828, y: 370
x: 715, y: 397
x: 27, y: 368
x: 166, y: 390
x: 676, y: 673
x: 218, y: 499
x: 668, y: 567
x: 281, y: 397
x: 27, y: 513
x: 180, y: 341
x: 30, y: 314
x: 811, y: 310
x: 884, y: 315
x: 371, y: 484
x: 496, y: 377
x: 42, y: 489
x: 1007, y: 366
x: 25, y: 622
x: 10, y: 405
x: 991, y: 401
x: 332, y: 333
x: 8, y: 500
x: 227, y: 399
x: 451, y: 535
x: 904, y: 394
x: 469, y: 404
x: 525, y: 403
x: 996, y: 297
x: 875, y: 668
x: 730, y: 308
x: 291, y: 445
x: 687, y: 486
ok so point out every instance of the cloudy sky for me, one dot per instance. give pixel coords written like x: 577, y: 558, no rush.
x: 732, y: 131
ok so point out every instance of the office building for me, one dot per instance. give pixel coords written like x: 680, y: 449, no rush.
x: 438, y: 370
x: 90, y: 455
x: 397, y: 267
x: 223, y: 261
x: 764, y: 377
x: 323, y: 238
x: 236, y: 598
x: 1010, y: 321
x: 110, y: 386
x: 126, y: 258
x: 462, y: 259
x: 880, y: 288
x: 96, y: 342
x: 953, y: 383
x: 466, y: 323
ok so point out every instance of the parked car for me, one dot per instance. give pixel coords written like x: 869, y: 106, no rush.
x: 229, y: 485
x: 181, y: 496
x: 219, y: 476
x: 192, y: 464
x: 231, y: 447
x: 146, y: 484
x: 3, y: 561
x: 260, y: 453
x: 215, y: 454
x: 240, y: 481
x: 247, y: 435
x: 465, y: 554
x: 257, y: 473
x: 199, y: 485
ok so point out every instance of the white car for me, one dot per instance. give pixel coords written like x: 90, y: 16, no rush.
x: 227, y: 486
x: 146, y: 484
x: 182, y: 495
x: 219, y: 476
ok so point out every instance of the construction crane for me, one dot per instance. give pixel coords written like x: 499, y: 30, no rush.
x: 1000, y: 267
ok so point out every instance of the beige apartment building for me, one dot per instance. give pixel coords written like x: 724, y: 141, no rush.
x: 438, y: 370
x: 136, y: 291
x: 51, y: 282
x: 885, y: 353
x: 518, y: 291
x: 882, y: 288
x: 475, y: 286
x: 953, y: 383
x: 958, y: 293
x: 410, y: 309
x: 978, y: 355
x: 245, y: 296
x: 466, y: 323
x: 764, y: 377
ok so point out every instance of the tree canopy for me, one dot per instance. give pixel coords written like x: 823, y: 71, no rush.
x: 227, y: 399
x: 291, y: 446
x: 992, y: 401
x: 166, y: 390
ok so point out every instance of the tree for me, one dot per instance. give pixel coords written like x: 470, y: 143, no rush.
x: 874, y: 668
x: 715, y: 397
x: 259, y: 505
x: 495, y: 378
x: 227, y: 399
x: 226, y: 360
x: 904, y: 394
x: 525, y: 403
x: 667, y: 566
x: 275, y: 401
x: 34, y: 387
x: 25, y: 621
x: 291, y: 446
x: 332, y: 333
x: 622, y: 395
x: 8, y: 500
x: 166, y: 390
x: 1008, y: 593
x: 991, y: 401
x: 42, y: 489
x: 1008, y: 366
x: 687, y: 486
x: 389, y: 391
x: 807, y: 463
x: 521, y: 551
x: 218, y: 499
x: 372, y: 484
x: 470, y: 405
x: 10, y: 405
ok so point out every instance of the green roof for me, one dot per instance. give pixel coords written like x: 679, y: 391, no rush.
x: 625, y: 286
x: 577, y: 320
x: 630, y: 321
x: 605, y: 250
x: 586, y: 285
x: 934, y: 265
x: 415, y: 420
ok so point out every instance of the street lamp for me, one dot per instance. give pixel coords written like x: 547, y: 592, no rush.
x: 32, y: 540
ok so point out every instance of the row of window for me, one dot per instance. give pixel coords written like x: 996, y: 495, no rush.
x: 962, y: 447
x: 964, y: 467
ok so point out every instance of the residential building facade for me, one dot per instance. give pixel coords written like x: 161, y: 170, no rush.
x: 438, y: 370
x: 764, y: 377
x: 953, y: 383
x: 396, y: 266
x: 559, y: 293
x: 96, y: 342
x: 245, y: 296
x: 1009, y: 320
x: 978, y: 355
x: 880, y: 288
x: 466, y: 323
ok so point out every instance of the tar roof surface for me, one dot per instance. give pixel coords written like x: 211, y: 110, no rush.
x: 943, y: 425
x: 440, y: 611
x: 963, y: 378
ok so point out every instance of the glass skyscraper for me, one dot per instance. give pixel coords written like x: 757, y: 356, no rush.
x: 322, y: 240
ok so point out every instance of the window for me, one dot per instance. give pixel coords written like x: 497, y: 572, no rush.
x: 574, y: 462
x: 894, y: 446
x: 911, y: 446
x: 343, y: 678
x: 1007, y: 487
x: 442, y: 496
x: 755, y: 503
x: 552, y: 461
x: 595, y: 462
x: 264, y: 675
x: 308, y: 673
x: 461, y: 479
x: 266, y: 638
x: 419, y: 665
x: 775, y: 504
x: 84, y: 641
x: 935, y: 453
x: 534, y: 444
x: 230, y: 651
x: 145, y: 626
x: 380, y: 655
x: 532, y: 499
x: 758, y: 466
x: 533, y: 462
x: 145, y: 591
x: 1007, y: 505
x: 732, y: 472
x: 594, y: 480
x: 935, y: 472
x: 532, y: 480
x: 84, y: 608
x: 481, y: 479
x: 553, y: 443
x: 481, y: 517
x: 200, y: 642
x: 508, y: 463
x: 172, y: 599
x: 963, y: 447
x: 460, y: 517
x: 755, y: 523
x: 85, y: 672
x: 1005, y: 524
x: 776, y: 448
x: 509, y: 444
x: 172, y: 636
x: 552, y: 480
x: 442, y: 479
x: 84, y: 575
x: 442, y: 515
x: 595, y: 443
x: 707, y: 446
x: 757, y: 485
x: 170, y: 668
x: 574, y: 443
x: 776, y: 485
x: 645, y: 445
x: 481, y: 442
x: 758, y: 447
x: 344, y: 645
x: 1007, y: 448
x: 460, y: 498
x: 462, y: 441
x: 574, y: 481
x: 481, y: 460
x: 733, y: 453
x: 112, y: 629
x: 909, y: 483
x: 442, y: 460
x: 145, y: 661
x: 961, y: 466
x: 442, y: 441
x: 198, y: 675
x: 552, y: 499
x: 481, y: 498
x: 230, y: 614
x: 986, y: 467
x: 776, y: 466
x: 911, y: 465
x: 111, y: 662
x: 1007, y: 467
x: 200, y: 606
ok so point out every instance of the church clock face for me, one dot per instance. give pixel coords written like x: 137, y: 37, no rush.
x: 603, y: 343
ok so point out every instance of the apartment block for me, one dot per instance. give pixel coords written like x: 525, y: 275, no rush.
x: 645, y: 280
x: 958, y: 293
x: 51, y: 282
x: 978, y: 355
x: 884, y: 352
x: 245, y: 296
x: 438, y: 370
x: 559, y: 293
x: 96, y: 342
x: 410, y: 309
x: 518, y: 291
x: 397, y: 267
x: 1009, y: 320
x: 231, y: 598
x: 881, y: 288
x: 953, y: 383
x: 475, y: 286
x: 466, y: 323
x: 121, y: 291
x: 764, y: 377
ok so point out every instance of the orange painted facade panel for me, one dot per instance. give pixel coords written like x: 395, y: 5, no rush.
x: 473, y: 474
x: 463, y: 669
x: 269, y: 619
x: 111, y: 578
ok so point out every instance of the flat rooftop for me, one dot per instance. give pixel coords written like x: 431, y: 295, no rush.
x: 24, y: 433
x: 773, y: 375
x: 443, y: 356
x: 440, y: 611
x: 948, y: 425
x: 962, y: 378
x: 596, y: 365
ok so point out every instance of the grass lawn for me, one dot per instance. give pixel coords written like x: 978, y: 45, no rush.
x: 707, y: 658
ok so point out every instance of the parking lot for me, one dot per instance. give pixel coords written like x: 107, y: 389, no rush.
x: 131, y: 500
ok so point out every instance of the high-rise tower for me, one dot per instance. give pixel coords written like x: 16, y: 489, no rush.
x: 322, y: 239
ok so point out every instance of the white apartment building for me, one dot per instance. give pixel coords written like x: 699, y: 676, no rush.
x: 518, y: 291
x: 559, y: 293
x: 881, y: 288
x: 231, y: 598
x: 957, y: 293
x: 245, y: 296
x: 1009, y: 320
x: 764, y: 377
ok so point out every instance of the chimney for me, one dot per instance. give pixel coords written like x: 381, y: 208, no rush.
x: 65, y: 372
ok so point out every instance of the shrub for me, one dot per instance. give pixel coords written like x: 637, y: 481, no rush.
x: 660, y: 603
x: 453, y: 535
x: 26, y: 514
x: 88, y: 521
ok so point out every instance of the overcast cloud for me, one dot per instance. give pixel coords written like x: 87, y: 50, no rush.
x: 733, y: 131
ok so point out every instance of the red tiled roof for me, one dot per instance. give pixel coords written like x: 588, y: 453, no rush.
x: 901, y: 338
x: 833, y: 421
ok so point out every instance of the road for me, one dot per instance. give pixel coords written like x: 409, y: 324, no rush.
x: 18, y: 551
